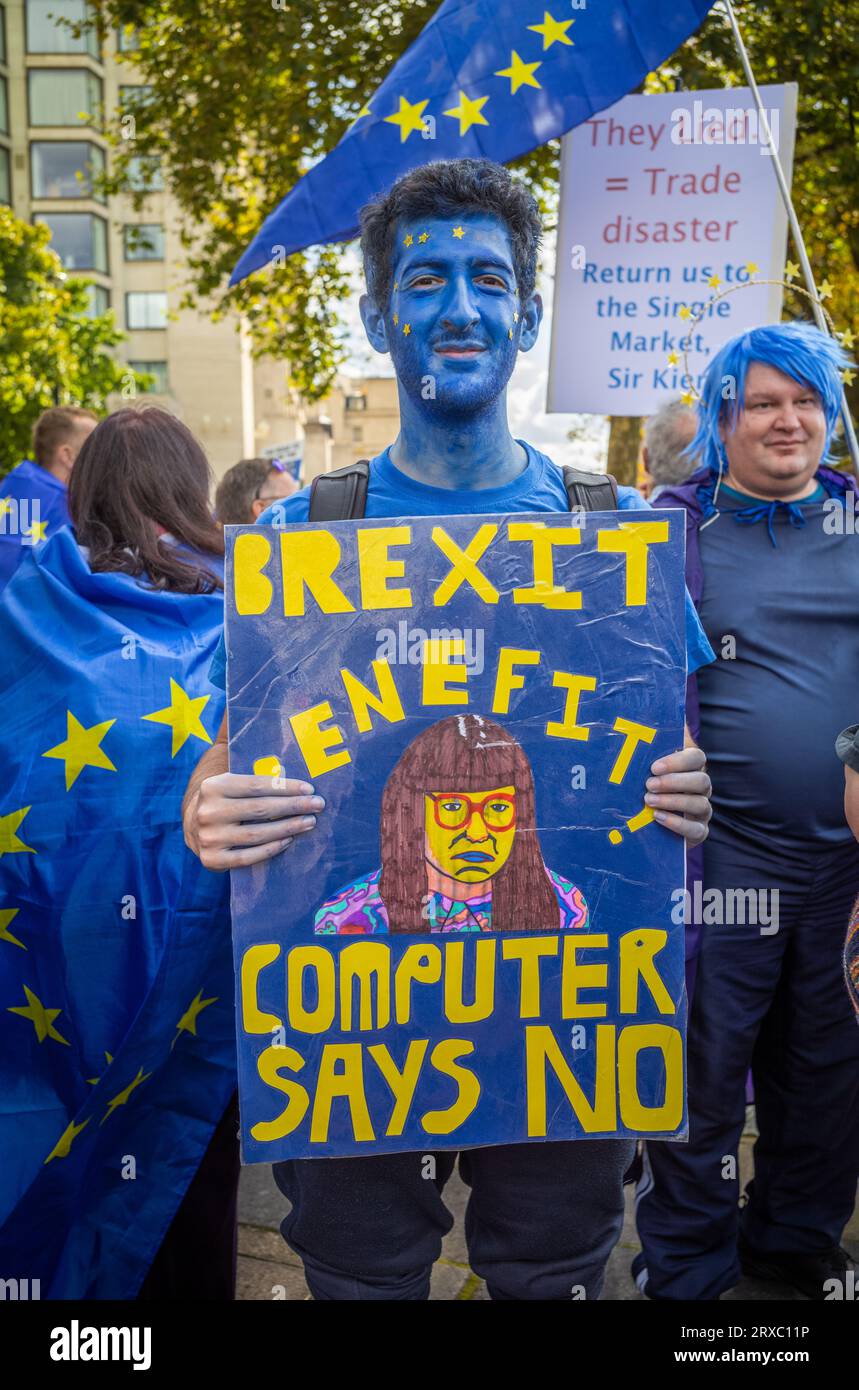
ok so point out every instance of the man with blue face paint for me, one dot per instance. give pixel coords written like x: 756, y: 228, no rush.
x: 450, y: 257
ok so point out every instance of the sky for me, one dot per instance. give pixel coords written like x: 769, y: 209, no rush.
x: 526, y: 394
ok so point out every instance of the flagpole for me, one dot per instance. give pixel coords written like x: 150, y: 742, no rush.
x: 796, y: 230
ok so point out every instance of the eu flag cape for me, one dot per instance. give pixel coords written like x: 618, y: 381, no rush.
x: 486, y: 79
x: 33, y: 505
x: 117, y: 1046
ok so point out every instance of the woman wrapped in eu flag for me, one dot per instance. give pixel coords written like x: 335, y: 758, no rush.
x: 117, y: 1066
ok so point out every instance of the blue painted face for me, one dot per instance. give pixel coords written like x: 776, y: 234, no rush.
x: 454, y: 324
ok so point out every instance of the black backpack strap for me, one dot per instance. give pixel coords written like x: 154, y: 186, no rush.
x: 590, y: 492
x: 341, y: 495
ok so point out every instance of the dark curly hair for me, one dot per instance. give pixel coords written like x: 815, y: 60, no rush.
x: 448, y: 188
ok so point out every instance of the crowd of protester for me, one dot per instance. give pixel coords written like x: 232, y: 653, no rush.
x: 125, y: 518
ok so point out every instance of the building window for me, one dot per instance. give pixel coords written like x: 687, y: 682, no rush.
x: 99, y: 301
x: 79, y: 239
x: 46, y: 32
x: 144, y: 241
x: 146, y: 309
x: 357, y: 434
x: 127, y: 40
x: 144, y: 174
x: 65, y: 168
x: 63, y: 96
x: 3, y: 35
x: 356, y: 402
x: 158, y: 372
x: 134, y: 96
x: 4, y: 107
x: 5, y: 176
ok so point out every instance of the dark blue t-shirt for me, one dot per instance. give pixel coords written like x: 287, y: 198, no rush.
x: 783, y: 620
x: 540, y: 488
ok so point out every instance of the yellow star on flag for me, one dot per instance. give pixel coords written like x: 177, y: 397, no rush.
x: 65, y: 1141
x: 459, y: 233
x: 424, y: 236
x: 183, y: 716
x: 825, y: 290
x: 82, y: 748
x: 6, y: 916
x: 41, y: 1018
x: 751, y: 267
x: 553, y: 30
x: 688, y: 398
x: 848, y: 376
x: 365, y: 111
x: 685, y: 312
x: 515, y: 315
x: 509, y: 332
x: 94, y: 1080
x: 846, y: 338
x: 396, y: 284
x: 188, y: 1022
x: 407, y: 328
x: 469, y: 112
x: 37, y: 532
x: 408, y: 240
x: 9, y: 841
x: 5, y: 506
x: 520, y: 74
x: 673, y: 359
x: 714, y: 282
x: 122, y: 1098
x: 409, y: 117
x: 791, y: 270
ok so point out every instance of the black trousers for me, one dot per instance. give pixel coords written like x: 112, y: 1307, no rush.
x: 197, y: 1257
x: 541, y: 1221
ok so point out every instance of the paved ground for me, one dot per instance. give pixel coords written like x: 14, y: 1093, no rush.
x: 268, y: 1269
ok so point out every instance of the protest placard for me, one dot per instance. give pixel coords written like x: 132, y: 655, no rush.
x: 478, y: 943
x: 665, y: 201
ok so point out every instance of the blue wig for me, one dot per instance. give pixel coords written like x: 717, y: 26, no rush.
x: 800, y: 350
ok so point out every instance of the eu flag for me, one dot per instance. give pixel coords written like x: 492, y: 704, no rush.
x: 117, y: 1046
x: 484, y: 79
x: 33, y: 505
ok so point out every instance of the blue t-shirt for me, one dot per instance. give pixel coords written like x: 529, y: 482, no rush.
x: 540, y: 488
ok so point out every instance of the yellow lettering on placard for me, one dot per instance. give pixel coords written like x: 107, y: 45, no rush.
x: 543, y: 538
x: 634, y: 1039
x: 402, y: 1083
x: 320, y: 960
x: 455, y: 1008
x: 367, y: 962
x: 464, y: 564
x: 507, y: 679
x: 440, y: 672
x: 443, y: 1058
x: 269, y: 1064
x: 386, y: 702
x: 529, y: 950
x: 542, y: 1051
x: 575, y: 976
x: 568, y: 727
x: 314, y: 741
x: 634, y: 734
x: 348, y: 1083
x: 253, y: 591
x: 309, y: 559
x: 254, y: 960
x: 376, y: 566
x: 418, y: 965
x: 637, y: 952
x: 632, y: 539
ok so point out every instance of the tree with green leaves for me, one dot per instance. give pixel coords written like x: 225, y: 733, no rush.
x: 246, y: 95
x: 53, y: 351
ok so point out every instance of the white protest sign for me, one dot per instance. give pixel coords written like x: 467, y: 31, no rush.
x: 665, y: 201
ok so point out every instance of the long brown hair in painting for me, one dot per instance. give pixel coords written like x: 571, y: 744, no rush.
x: 463, y: 753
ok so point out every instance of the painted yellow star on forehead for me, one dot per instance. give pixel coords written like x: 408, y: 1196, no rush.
x: 424, y: 236
x: 396, y: 320
x: 509, y: 332
x: 408, y: 239
x: 553, y: 30
x: 407, y: 328
x: 459, y: 233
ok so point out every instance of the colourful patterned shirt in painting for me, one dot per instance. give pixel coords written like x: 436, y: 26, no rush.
x: 851, y: 957
x: 359, y: 911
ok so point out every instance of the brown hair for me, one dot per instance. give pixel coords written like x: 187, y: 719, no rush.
x: 54, y: 427
x: 140, y: 469
x: 464, y: 752
x: 239, y: 489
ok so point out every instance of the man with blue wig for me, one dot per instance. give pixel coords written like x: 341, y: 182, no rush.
x: 773, y: 571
